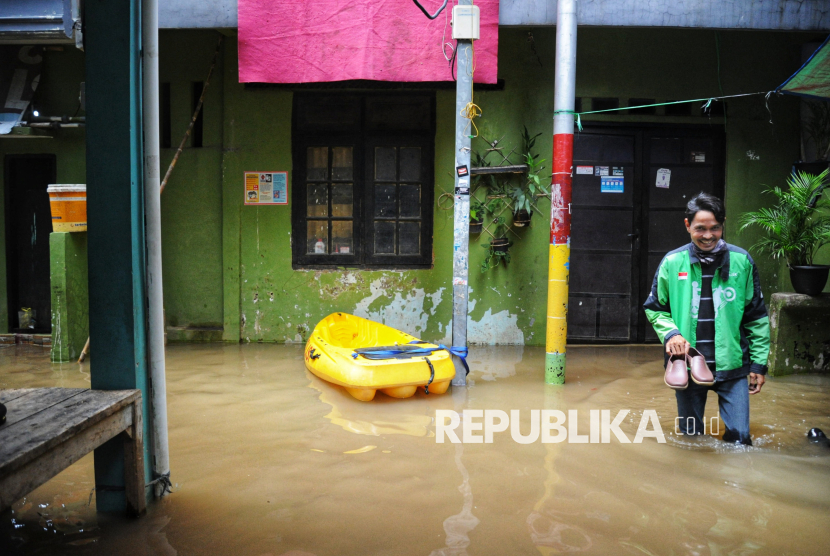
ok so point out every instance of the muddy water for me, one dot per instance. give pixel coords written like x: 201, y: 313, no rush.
x: 268, y: 459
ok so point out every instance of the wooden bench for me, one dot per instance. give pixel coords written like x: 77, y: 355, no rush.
x: 49, y: 429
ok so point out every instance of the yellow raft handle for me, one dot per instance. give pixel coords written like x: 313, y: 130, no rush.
x: 431, y: 375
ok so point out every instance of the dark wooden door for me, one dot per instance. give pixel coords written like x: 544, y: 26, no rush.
x: 693, y: 161
x: 28, y: 225
x: 623, y: 223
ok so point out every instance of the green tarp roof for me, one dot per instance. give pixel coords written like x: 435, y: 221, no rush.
x: 813, y: 78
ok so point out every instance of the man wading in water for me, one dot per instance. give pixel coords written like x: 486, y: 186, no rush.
x: 706, y: 300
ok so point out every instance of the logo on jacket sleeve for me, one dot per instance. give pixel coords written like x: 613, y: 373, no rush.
x: 682, y: 275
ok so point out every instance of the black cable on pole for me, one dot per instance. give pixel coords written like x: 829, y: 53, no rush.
x: 426, y: 13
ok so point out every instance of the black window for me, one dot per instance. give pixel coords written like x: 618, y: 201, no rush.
x: 605, y: 104
x: 648, y: 110
x: 196, y: 89
x: 166, y: 128
x: 363, y: 180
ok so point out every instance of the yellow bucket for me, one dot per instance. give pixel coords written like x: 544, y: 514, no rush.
x: 68, y: 203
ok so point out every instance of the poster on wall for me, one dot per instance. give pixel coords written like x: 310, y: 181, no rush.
x: 266, y: 188
x: 610, y: 184
x: 663, y: 178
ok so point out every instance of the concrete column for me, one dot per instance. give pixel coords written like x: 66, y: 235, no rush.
x: 115, y: 215
x: 559, y: 254
x: 70, y: 294
x: 461, y: 218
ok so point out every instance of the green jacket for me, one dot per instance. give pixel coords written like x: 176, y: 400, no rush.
x: 741, y: 321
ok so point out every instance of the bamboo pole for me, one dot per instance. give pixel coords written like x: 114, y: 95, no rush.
x: 193, y: 119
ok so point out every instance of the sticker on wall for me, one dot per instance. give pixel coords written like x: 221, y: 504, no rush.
x: 617, y: 171
x: 463, y: 187
x: 612, y: 184
x: 589, y: 170
x: 600, y: 170
x: 698, y: 156
x: 663, y: 178
x: 266, y: 188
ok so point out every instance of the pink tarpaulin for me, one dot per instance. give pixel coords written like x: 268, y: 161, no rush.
x: 303, y: 41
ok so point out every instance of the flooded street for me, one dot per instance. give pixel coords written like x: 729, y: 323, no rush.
x: 267, y: 459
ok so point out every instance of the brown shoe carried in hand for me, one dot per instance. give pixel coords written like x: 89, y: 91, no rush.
x: 699, y: 369
x: 677, y: 376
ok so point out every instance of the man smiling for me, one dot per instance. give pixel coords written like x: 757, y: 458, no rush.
x: 706, y: 298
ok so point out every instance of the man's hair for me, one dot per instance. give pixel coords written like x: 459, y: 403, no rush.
x: 707, y: 202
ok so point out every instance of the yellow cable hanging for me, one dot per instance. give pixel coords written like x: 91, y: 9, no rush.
x: 472, y: 110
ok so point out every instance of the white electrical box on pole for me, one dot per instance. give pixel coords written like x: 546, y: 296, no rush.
x: 466, y: 23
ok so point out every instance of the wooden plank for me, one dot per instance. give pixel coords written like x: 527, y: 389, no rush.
x: 28, y: 439
x: 134, y: 485
x: 37, y: 400
x: 25, y: 479
x: 9, y: 395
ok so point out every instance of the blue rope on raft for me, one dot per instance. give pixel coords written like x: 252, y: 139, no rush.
x: 458, y: 351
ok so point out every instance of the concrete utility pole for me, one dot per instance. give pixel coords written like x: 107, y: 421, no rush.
x: 461, y: 222
x: 152, y: 219
x: 560, y: 218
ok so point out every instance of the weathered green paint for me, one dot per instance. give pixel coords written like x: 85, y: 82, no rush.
x: 70, y: 294
x: 224, y: 262
x: 554, y: 368
x: 191, y: 205
x: 799, y: 334
x: 115, y: 215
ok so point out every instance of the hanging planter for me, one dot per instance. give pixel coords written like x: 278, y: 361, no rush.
x: 476, y: 217
x: 524, y: 194
x: 500, y: 244
x: 498, y: 249
x: 521, y: 218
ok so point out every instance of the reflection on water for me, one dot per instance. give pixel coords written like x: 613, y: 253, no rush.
x: 267, y: 459
x: 364, y: 418
x: 458, y: 526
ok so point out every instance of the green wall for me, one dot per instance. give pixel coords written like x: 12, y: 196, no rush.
x: 227, y: 267
x: 191, y: 204
x: 70, y: 294
x: 268, y: 301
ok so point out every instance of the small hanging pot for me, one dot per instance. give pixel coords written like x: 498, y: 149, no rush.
x: 809, y: 280
x: 521, y: 218
x: 500, y: 244
x: 476, y: 226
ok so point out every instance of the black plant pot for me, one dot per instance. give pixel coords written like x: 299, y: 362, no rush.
x: 809, y: 280
x: 500, y: 244
x: 521, y: 218
x: 475, y: 226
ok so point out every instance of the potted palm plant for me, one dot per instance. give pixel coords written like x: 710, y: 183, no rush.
x: 796, y: 229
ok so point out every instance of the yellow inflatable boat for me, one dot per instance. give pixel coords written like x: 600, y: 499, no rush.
x: 364, y: 356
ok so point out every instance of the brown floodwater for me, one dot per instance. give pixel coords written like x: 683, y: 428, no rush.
x: 267, y: 459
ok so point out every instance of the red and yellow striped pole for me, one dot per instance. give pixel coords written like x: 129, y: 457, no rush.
x: 560, y: 222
